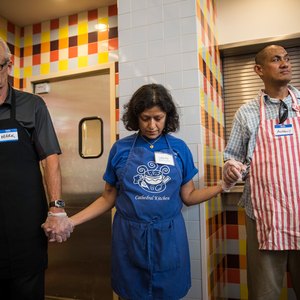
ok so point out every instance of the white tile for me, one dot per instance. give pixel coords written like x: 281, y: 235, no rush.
x: 196, y: 269
x: 154, y: 15
x: 139, y: 18
x: 139, y: 34
x: 138, y: 82
x: 171, y: 11
x: 138, y: 4
x: 139, y: 52
x: 174, y: 80
x: 172, y: 45
x: 188, y: 25
x: 125, y: 37
x: 156, y: 66
x: 172, y: 28
x: 124, y: 21
x: 189, y: 42
x: 191, y: 115
x: 191, y: 133
x: 194, y: 213
x: 156, y: 48
x: 190, y: 78
x: 191, y: 96
x: 193, y: 230
x: 125, y: 70
x: 173, y: 63
x: 189, y: 60
x: 151, y: 3
x: 196, y: 290
x: 187, y: 8
x: 124, y: 6
x: 125, y: 87
x: 155, y: 31
x: 194, y: 249
x: 140, y: 68
x: 157, y: 78
x: 113, y: 21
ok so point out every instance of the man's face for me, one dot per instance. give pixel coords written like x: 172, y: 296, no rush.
x: 275, y: 67
x: 5, y: 67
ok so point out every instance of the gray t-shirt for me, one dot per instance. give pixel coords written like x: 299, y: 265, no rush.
x: 32, y: 113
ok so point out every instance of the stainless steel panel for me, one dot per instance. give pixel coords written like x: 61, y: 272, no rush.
x: 80, y: 267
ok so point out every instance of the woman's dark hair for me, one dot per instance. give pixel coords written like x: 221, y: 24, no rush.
x: 146, y: 97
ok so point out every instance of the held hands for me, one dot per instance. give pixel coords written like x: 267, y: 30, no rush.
x: 58, y: 227
x: 232, y: 173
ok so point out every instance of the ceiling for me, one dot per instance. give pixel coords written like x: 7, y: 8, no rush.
x: 28, y: 12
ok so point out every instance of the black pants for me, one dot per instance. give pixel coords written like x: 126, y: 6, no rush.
x: 30, y: 287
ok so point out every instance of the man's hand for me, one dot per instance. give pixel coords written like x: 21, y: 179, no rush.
x: 58, y: 227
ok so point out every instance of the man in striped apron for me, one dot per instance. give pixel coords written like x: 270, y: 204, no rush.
x: 266, y: 137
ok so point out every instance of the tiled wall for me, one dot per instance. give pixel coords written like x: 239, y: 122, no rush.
x: 173, y: 42
x: 212, y: 123
x: 62, y: 44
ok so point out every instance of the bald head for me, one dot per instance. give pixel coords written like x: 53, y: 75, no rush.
x: 262, y: 55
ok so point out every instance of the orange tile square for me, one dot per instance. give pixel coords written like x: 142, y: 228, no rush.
x: 103, y: 35
x: 63, y: 43
x: 54, y: 55
x: 83, y: 39
x: 36, y: 59
x: 243, y: 262
x: 93, y: 48
x: 113, y: 44
x: 233, y: 275
x: 28, y: 51
x: 232, y: 232
x: 45, y: 47
x: 73, y: 52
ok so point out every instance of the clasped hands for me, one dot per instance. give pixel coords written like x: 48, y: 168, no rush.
x: 232, y: 172
x: 58, y: 227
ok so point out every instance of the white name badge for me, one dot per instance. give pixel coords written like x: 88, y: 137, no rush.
x: 9, y: 135
x: 283, y: 129
x: 164, y: 158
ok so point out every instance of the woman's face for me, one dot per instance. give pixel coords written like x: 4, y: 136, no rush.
x: 152, y: 122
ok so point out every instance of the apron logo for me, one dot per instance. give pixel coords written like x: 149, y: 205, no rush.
x: 152, y: 178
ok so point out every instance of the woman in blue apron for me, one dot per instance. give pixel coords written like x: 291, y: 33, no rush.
x: 148, y: 178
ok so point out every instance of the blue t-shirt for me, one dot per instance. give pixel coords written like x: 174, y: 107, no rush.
x: 120, y: 150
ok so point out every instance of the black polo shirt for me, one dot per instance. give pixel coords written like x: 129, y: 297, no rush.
x: 32, y: 113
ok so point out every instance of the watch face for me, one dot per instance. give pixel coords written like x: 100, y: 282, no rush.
x: 57, y: 203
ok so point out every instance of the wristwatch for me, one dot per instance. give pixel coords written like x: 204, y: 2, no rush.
x: 57, y: 203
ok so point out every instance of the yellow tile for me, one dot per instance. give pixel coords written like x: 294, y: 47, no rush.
x: 63, y: 32
x: 242, y: 247
x: 103, y: 57
x: 83, y: 61
x: 45, y: 37
x: 82, y: 28
x: 244, y: 291
x: 27, y: 72
x: 45, y: 68
x: 63, y: 65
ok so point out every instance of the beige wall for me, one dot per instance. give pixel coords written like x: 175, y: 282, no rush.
x: 247, y: 20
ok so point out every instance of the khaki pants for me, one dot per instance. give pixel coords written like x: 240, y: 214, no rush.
x: 266, y: 269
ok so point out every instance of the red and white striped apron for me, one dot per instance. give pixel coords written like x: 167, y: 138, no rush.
x: 275, y: 184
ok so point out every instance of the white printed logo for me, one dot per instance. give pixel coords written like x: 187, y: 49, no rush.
x: 152, y: 178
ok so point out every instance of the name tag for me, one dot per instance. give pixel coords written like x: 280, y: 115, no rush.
x: 164, y: 158
x: 283, y: 129
x: 9, y: 135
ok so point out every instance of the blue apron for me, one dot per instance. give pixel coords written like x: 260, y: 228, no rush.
x: 150, y: 255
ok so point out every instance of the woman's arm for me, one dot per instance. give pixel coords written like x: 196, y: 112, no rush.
x: 101, y: 205
x: 191, y: 196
